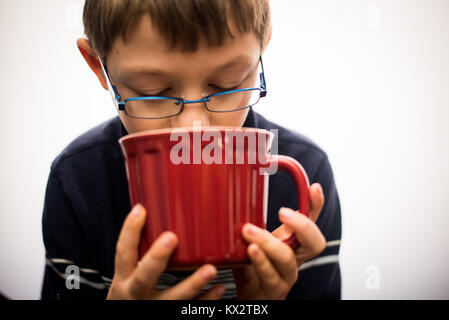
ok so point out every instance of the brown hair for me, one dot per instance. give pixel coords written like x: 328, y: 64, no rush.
x: 182, y: 22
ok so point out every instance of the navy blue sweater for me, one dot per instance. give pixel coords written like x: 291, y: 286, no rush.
x: 87, y: 201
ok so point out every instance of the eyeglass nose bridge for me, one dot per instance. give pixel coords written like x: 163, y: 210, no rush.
x: 205, y: 100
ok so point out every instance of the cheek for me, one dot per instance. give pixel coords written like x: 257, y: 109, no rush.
x: 230, y: 119
x: 134, y: 125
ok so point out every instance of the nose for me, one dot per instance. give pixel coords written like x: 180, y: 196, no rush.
x: 193, y: 113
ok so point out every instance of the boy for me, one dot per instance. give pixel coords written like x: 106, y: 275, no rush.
x: 189, y: 50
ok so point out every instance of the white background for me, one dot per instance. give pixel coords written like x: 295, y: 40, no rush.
x: 368, y: 80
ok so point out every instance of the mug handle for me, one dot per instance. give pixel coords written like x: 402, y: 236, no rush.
x: 299, y: 175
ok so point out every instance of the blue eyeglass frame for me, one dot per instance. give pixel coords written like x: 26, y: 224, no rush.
x: 121, y: 105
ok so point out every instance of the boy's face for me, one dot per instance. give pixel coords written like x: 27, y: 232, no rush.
x: 145, y: 65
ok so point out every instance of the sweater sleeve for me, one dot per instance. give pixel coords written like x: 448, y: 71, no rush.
x: 69, y: 272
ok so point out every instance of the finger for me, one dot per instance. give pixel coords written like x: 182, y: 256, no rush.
x: 302, y: 255
x: 192, y: 286
x: 266, y: 272
x: 316, y: 200
x: 215, y: 293
x: 127, y: 249
x: 280, y: 254
x: 283, y: 232
x: 242, y: 274
x: 153, y: 263
x: 307, y: 232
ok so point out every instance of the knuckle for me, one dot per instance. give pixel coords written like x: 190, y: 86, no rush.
x: 136, y: 286
x: 265, y: 238
x: 115, y: 292
x: 295, y: 276
x: 158, y: 256
x: 120, y: 249
x: 321, y: 246
x: 271, y: 243
x: 158, y: 253
x: 164, y: 295
x: 120, y: 252
x: 263, y: 241
x: 284, y: 288
x: 288, y: 257
x: 291, y: 275
x: 271, y: 277
x: 186, y: 290
x: 197, y: 284
x: 306, y: 225
x: 279, y: 291
x: 191, y: 286
x: 293, y: 266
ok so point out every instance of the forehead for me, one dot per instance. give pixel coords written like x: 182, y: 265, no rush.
x: 145, y: 46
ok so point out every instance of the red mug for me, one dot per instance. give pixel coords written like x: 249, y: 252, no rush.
x: 205, y: 184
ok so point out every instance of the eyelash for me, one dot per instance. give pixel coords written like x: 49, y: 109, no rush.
x: 224, y: 89
x: 161, y: 94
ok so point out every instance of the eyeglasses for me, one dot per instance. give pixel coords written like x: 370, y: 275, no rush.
x: 155, y: 107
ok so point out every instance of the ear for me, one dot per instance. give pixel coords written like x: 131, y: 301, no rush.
x: 92, y: 60
x: 267, y: 39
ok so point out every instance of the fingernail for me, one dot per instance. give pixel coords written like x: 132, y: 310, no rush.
x: 252, y: 229
x: 136, y: 210
x: 167, y: 241
x: 221, y: 291
x: 286, y: 213
x: 207, y: 273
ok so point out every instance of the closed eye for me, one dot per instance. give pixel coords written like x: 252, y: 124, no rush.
x: 221, y: 89
x: 162, y: 93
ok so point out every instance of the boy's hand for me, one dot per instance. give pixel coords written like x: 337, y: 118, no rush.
x: 274, y: 268
x: 135, y: 279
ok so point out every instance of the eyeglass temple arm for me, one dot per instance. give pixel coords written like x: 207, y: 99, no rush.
x: 120, y: 105
x: 263, y: 83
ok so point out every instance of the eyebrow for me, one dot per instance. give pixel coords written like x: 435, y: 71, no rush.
x: 243, y: 59
x: 136, y: 69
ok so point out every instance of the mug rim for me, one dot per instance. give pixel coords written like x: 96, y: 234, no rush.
x: 165, y: 131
